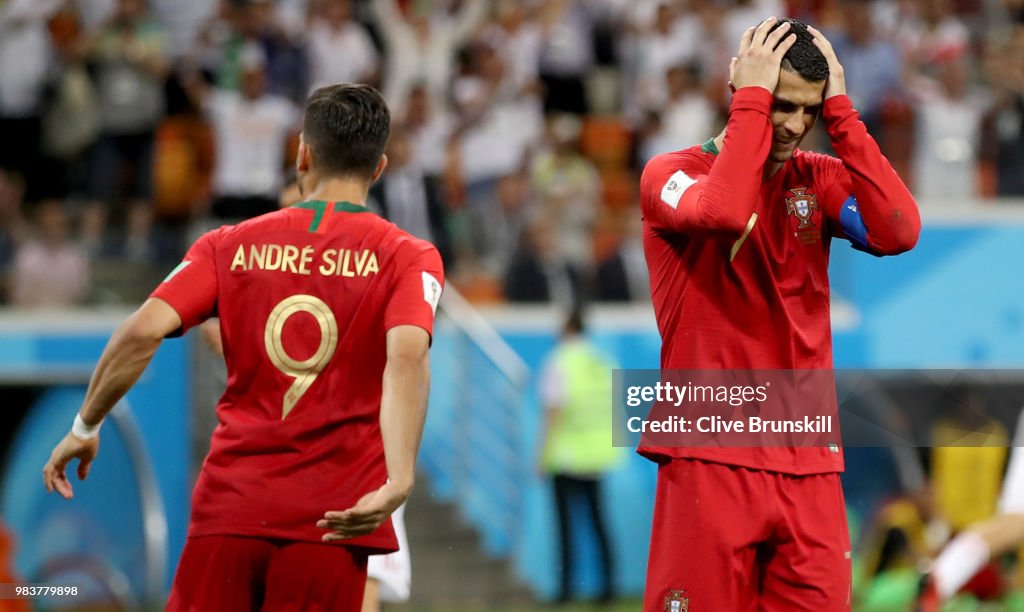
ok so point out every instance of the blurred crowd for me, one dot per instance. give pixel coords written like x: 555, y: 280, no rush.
x: 520, y: 127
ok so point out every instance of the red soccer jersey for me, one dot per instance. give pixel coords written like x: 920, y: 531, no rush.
x: 305, y: 296
x: 739, y: 266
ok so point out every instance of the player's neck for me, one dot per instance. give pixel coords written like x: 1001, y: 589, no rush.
x: 770, y: 167
x: 337, y: 190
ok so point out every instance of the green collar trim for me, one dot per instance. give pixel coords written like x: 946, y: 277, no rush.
x: 319, y: 207
x: 709, y: 147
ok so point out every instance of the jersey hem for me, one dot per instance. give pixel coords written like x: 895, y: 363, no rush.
x: 660, y: 454
x: 372, y: 545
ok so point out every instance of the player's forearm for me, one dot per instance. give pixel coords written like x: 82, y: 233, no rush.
x: 885, y: 203
x: 124, y: 359
x: 731, y: 190
x: 1002, y: 533
x: 402, y: 413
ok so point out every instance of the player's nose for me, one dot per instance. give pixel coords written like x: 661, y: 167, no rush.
x: 794, y: 125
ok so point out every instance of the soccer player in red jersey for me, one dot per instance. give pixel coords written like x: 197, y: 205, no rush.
x: 326, y: 315
x: 736, y: 235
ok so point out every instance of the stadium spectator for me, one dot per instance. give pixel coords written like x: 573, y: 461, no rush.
x: 128, y: 54
x: 567, y: 54
x: 71, y: 122
x: 622, y: 275
x: 334, y: 471
x: 213, y: 39
x: 334, y: 35
x: 874, y: 66
x: 948, y: 135
x: 714, y: 53
x: 493, y: 135
x: 568, y: 191
x: 251, y: 131
x: 516, y: 197
x: 685, y: 116
x: 670, y: 41
x: 741, y: 13
x: 715, y: 229
x: 1003, y: 125
x: 516, y: 35
x: 49, y: 270
x: 538, y: 273
x: 421, y: 46
x: 933, y: 37
x: 183, y: 160
x: 25, y: 61
x: 401, y: 195
x: 253, y: 21
x: 429, y: 130
x: 576, y: 446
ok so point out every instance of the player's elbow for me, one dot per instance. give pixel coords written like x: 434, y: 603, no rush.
x: 730, y: 221
x: 151, y: 323
x: 903, y: 239
x: 408, y: 364
x: 139, y: 329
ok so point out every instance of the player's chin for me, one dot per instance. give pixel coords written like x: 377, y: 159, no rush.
x: 781, y: 154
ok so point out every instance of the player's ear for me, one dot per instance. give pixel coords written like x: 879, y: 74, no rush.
x: 303, y: 158
x: 382, y: 163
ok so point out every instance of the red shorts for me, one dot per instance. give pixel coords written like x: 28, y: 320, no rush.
x: 731, y: 539
x: 244, y: 573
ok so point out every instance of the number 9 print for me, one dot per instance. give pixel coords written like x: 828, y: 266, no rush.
x: 304, y: 372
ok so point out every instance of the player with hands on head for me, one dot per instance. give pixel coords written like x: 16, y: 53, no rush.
x: 326, y: 313
x: 737, y: 233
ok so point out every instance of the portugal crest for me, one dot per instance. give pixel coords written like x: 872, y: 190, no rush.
x: 675, y: 602
x: 802, y: 205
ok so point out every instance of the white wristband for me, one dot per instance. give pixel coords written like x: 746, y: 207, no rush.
x: 83, y: 431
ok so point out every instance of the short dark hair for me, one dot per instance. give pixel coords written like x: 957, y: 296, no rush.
x: 804, y: 57
x: 347, y: 127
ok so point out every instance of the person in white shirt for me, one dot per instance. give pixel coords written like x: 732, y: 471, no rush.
x: 421, y: 47
x: 685, y: 117
x: 334, y: 35
x: 948, y: 137
x: 251, y: 131
x: 49, y: 271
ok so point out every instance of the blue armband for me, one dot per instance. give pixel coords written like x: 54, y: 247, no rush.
x: 853, y: 224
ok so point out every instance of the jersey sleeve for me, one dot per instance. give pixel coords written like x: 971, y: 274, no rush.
x: 865, y: 201
x: 417, y: 292
x: 191, y: 287
x: 678, y: 196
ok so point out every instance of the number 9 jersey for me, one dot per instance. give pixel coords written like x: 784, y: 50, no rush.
x: 305, y: 296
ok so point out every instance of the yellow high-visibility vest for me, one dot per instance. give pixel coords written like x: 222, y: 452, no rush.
x: 580, y: 440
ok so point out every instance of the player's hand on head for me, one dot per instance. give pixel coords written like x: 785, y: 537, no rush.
x: 71, y: 447
x: 760, y: 55
x: 836, y: 85
x: 366, y: 516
